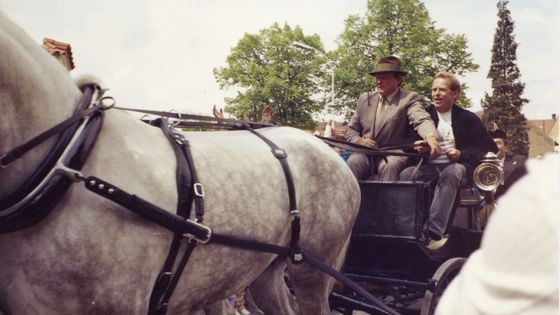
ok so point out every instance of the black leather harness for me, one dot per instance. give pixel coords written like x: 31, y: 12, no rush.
x: 38, y: 195
x: 188, y: 190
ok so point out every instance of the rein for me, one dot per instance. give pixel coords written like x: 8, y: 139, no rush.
x: 381, y: 152
x: 182, y: 120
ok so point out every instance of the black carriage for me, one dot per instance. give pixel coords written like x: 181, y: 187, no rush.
x: 388, y: 253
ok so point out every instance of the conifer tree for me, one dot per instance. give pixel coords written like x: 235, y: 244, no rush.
x: 503, y: 107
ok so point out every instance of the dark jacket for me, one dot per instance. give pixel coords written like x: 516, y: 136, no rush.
x: 514, y: 168
x: 471, y: 137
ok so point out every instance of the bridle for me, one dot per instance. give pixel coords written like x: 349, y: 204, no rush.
x: 37, y: 197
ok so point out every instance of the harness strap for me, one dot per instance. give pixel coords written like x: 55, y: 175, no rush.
x: 190, y: 120
x: 296, y: 255
x: 381, y: 152
x: 173, y: 222
x: 170, y: 283
x: 19, y: 151
x: 35, y: 198
x: 187, y: 189
x: 176, y: 224
x: 50, y: 159
x: 348, y: 282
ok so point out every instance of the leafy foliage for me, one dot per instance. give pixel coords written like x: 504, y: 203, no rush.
x: 267, y: 69
x: 402, y: 28
x: 270, y: 71
x: 503, y: 107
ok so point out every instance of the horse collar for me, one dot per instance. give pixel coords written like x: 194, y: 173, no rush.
x: 35, y: 199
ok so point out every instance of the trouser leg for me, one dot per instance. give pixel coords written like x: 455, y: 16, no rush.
x: 359, y: 164
x: 445, y: 193
x: 389, y: 171
x: 424, y: 170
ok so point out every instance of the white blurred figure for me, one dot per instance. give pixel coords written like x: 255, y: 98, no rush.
x: 515, y: 271
x: 328, y: 130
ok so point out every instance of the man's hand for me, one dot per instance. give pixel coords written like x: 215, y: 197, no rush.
x: 454, y: 155
x: 421, y: 146
x: 435, y: 149
x: 368, y: 143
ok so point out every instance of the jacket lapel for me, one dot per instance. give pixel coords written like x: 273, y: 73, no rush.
x: 508, y: 166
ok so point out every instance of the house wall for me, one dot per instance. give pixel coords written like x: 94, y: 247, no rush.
x: 539, y: 143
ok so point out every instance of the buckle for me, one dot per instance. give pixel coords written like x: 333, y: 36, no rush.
x: 70, y: 173
x: 279, y: 153
x: 203, y: 227
x: 198, y: 189
x: 2, y: 164
x: 106, y: 102
x: 297, y: 258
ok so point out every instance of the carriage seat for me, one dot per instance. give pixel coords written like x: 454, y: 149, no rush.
x: 393, y: 209
x: 468, y: 204
x: 400, y: 209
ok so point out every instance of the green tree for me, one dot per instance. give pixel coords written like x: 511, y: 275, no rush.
x: 405, y: 29
x: 503, y: 107
x: 267, y: 69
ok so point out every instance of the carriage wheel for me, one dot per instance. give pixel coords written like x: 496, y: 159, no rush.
x: 443, y: 276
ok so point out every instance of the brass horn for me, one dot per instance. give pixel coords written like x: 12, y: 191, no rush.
x: 488, y: 175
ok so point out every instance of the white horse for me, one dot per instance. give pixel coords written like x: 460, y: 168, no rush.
x: 91, y: 256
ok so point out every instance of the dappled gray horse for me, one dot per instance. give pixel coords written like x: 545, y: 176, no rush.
x: 91, y: 256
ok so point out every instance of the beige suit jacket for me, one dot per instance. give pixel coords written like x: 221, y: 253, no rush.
x: 402, y: 111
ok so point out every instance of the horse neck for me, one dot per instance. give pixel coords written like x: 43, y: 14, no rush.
x: 36, y: 92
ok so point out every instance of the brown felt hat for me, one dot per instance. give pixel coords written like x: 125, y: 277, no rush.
x: 388, y: 64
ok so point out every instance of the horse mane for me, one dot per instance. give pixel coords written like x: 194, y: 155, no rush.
x: 86, y: 79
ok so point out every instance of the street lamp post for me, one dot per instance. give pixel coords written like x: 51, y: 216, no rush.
x: 320, y: 53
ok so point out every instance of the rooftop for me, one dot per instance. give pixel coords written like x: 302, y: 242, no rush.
x: 62, y: 51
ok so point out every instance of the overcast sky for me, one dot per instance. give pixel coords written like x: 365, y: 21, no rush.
x: 160, y: 54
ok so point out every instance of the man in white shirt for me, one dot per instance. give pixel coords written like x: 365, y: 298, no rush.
x: 464, y: 141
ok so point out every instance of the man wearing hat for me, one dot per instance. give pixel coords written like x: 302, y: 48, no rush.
x: 384, y: 118
x: 512, y: 165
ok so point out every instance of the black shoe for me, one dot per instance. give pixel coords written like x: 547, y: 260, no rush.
x: 434, y: 236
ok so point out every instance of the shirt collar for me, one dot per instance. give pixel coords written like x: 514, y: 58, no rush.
x: 389, y: 97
